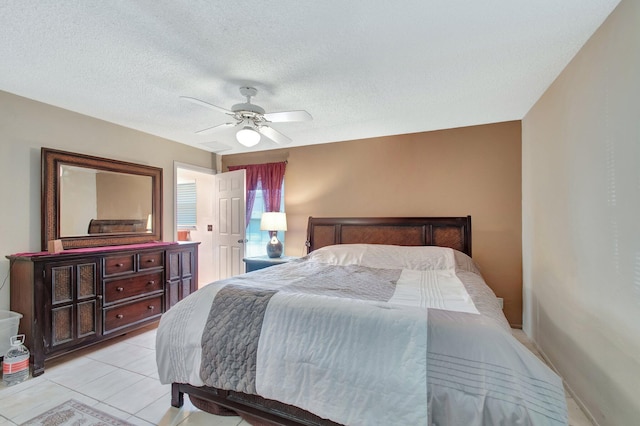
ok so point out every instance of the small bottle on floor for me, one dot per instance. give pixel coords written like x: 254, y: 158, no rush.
x: 15, y: 366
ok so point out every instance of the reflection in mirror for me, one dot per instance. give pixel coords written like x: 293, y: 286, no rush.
x: 93, y: 202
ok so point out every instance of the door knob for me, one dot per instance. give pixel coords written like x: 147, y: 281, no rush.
x: 242, y: 241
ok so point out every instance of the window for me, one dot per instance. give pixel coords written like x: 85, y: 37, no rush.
x: 257, y: 239
x: 186, y: 205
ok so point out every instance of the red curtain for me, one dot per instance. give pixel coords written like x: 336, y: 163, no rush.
x: 269, y: 176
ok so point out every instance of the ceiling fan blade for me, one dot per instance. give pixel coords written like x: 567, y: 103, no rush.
x: 207, y: 105
x: 284, y: 116
x: 274, y: 135
x: 214, y: 128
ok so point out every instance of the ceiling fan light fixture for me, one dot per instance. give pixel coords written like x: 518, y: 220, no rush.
x: 248, y: 136
x: 252, y: 120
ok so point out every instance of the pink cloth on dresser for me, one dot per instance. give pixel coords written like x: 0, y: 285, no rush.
x: 94, y: 249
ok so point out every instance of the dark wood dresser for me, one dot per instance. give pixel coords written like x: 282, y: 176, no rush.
x: 81, y: 297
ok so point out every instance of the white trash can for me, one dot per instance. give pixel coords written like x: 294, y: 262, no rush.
x: 9, y: 323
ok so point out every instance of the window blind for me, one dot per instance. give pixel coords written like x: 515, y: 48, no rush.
x: 186, y: 205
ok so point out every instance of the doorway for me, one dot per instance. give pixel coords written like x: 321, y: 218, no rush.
x: 201, y: 227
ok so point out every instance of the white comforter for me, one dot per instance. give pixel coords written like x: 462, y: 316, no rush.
x: 376, y: 369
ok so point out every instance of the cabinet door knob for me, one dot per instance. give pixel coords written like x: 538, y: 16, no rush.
x: 119, y: 289
x: 119, y: 316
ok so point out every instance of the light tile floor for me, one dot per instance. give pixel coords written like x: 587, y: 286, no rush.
x: 576, y: 415
x: 120, y: 377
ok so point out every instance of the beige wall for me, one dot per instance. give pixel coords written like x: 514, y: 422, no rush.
x: 26, y: 126
x: 469, y: 171
x: 114, y: 203
x: 581, y: 232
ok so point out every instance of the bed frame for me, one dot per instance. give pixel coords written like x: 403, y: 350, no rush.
x: 453, y: 232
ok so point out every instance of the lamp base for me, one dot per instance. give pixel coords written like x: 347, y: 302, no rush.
x: 274, y: 247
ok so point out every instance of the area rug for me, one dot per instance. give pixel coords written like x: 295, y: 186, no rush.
x: 73, y: 412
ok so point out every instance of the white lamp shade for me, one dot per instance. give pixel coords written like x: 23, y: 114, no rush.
x: 273, y: 221
x: 248, y: 136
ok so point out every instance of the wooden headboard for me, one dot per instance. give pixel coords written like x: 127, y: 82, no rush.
x: 453, y: 232
x: 108, y: 226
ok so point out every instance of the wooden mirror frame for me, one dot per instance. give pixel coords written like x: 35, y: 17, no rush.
x: 52, y: 160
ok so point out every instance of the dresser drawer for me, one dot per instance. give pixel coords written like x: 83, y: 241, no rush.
x: 118, y: 264
x: 128, y: 314
x: 150, y: 260
x: 137, y: 285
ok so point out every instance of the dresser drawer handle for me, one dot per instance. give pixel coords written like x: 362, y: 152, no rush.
x: 151, y: 260
x: 120, y: 289
x: 152, y: 282
x: 119, y: 316
x: 119, y: 265
x: 151, y: 307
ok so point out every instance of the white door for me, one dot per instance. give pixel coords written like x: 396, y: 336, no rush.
x: 230, y: 230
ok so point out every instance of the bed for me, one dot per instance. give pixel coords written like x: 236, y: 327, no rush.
x: 385, y: 321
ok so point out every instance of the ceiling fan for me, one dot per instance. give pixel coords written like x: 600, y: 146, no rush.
x: 252, y: 119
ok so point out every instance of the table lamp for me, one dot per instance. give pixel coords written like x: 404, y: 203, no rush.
x: 273, y: 222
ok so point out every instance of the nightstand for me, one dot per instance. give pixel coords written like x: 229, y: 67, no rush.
x: 260, y: 262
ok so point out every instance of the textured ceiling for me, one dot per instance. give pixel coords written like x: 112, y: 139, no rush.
x: 361, y: 68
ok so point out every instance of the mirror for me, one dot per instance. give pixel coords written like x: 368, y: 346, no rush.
x: 91, y: 201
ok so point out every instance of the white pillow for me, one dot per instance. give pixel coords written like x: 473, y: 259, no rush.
x: 421, y: 258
